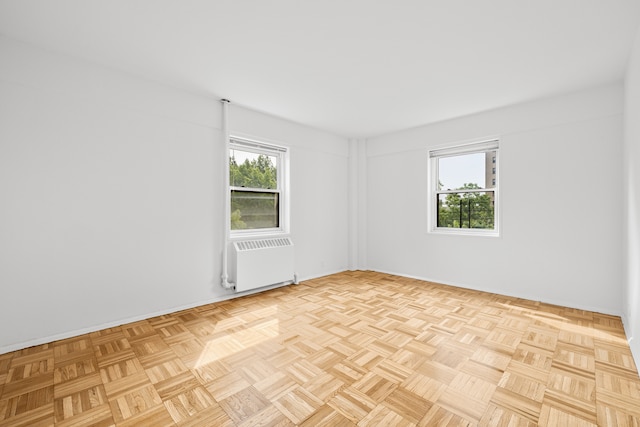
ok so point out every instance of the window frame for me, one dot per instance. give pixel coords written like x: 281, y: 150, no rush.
x: 458, y: 149
x: 281, y: 153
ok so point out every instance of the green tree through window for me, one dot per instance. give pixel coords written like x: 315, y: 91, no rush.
x: 466, y: 210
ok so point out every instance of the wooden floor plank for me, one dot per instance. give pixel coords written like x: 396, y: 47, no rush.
x: 354, y: 348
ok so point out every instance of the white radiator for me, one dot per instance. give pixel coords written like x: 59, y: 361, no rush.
x: 258, y: 263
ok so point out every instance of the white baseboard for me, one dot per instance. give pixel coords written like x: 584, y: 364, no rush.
x: 94, y: 328
x: 531, y: 297
x: 74, y: 333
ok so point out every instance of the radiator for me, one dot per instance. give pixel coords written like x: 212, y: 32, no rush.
x: 258, y: 263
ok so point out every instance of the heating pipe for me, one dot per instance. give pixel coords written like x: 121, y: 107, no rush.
x: 227, y: 200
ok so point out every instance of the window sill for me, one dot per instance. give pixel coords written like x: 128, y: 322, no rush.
x: 465, y: 232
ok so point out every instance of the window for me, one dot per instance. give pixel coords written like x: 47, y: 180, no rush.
x: 257, y: 187
x: 464, y: 192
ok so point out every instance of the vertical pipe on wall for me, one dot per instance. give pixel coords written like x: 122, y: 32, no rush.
x: 227, y: 208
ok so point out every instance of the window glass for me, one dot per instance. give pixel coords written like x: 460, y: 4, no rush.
x: 252, y: 170
x: 251, y: 210
x: 466, y: 210
x: 456, y: 171
x: 255, y: 186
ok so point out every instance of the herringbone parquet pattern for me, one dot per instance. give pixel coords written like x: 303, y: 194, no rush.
x: 356, y: 348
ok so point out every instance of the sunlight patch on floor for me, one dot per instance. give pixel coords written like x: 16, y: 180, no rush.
x: 229, y: 344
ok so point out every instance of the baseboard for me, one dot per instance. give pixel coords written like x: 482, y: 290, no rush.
x: 220, y: 298
x: 501, y: 292
x: 327, y: 273
x: 74, y: 333
x: 70, y: 334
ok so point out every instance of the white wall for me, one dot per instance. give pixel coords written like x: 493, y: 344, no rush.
x: 561, y: 236
x: 111, y: 199
x: 631, y: 306
x: 111, y: 196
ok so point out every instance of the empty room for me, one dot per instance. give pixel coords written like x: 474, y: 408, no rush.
x: 334, y: 213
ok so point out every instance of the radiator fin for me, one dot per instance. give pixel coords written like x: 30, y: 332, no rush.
x: 249, y: 245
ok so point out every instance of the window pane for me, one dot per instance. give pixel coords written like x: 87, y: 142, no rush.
x: 467, y: 171
x: 252, y: 209
x: 252, y: 170
x: 466, y: 210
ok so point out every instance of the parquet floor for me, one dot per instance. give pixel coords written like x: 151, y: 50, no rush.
x: 355, y: 348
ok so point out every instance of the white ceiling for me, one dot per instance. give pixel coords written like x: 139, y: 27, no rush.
x: 356, y: 68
